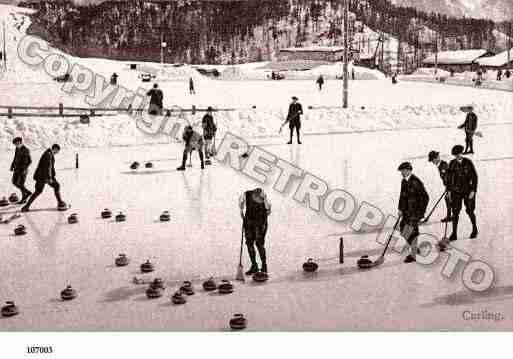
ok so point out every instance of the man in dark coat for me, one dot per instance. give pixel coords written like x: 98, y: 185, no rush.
x: 443, y: 168
x: 254, y: 210
x: 294, y: 119
x: 209, y: 131
x: 19, y: 168
x: 45, y: 174
x: 156, y: 100
x: 191, y: 86
x: 320, y: 82
x: 462, y: 186
x: 470, y: 126
x: 413, y: 202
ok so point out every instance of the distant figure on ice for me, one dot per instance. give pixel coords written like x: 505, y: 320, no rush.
x: 443, y: 168
x: 462, y: 185
x: 507, y: 74
x: 156, y: 100
x: 19, y: 168
x: 191, y: 86
x: 209, y: 131
x: 394, y: 78
x: 353, y: 77
x: 470, y: 126
x: 45, y: 174
x: 114, y: 79
x: 294, y: 119
x: 499, y: 75
x: 254, y: 210
x: 451, y: 70
x: 193, y: 141
x: 320, y: 82
x: 413, y: 202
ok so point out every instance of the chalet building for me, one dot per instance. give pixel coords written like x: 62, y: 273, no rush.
x: 458, y: 60
x: 499, y: 61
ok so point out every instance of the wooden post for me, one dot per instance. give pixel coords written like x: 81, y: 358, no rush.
x: 92, y: 113
x: 9, y: 112
x: 341, y: 250
x: 61, y: 109
x: 76, y: 161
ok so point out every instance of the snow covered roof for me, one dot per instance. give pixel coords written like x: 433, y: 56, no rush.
x: 460, y: 57
x: 297, y: 65
x: 314, y: 49
x: 500, y: 59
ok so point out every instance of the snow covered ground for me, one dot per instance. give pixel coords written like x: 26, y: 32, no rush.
x: 357, y: 150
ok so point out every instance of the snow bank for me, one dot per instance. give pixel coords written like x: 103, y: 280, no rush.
x: 427, y: 71
x: 121, y: 130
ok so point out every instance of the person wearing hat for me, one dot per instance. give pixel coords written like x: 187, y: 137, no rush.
x: 462, y: 186
x: 45, y: 175
x: 191, y: 86
x: 470, y: 126
x: 209, y: 131
x: 413, y: 202
x: 193, y: 141
x: 156, y: 100
x: 443, y: 168
x: 19, y: 168
x: 114, y: 79
x: 294, y: 119
x: 254, y: 210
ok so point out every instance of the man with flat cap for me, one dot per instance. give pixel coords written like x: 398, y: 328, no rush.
x: 470, y: 126
x: 19, y: 168
x: 294, y: 119
x: 413, y: 202
x: 462, y: 186
x: 443, y: 167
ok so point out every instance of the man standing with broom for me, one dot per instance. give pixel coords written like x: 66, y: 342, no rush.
x: 470, y: 126
x: 443, y: 168
x: 294, y: 119
x: 254, y: 210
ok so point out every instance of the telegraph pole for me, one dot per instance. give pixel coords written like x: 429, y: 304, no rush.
x: 162, y: 46
x: 436, y: 52
x: 346, y: 53
x: 509, y: 43
x: 4, y: 54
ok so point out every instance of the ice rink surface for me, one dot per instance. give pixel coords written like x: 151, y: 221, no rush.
x: 203, y: 239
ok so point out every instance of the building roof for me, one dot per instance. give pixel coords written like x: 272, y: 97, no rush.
x: 457, y: 57
x: 314, y: 49
x: 498, y: 60
x: 297, y: 65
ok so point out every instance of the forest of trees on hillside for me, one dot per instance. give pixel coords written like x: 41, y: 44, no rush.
x: 206, y: 31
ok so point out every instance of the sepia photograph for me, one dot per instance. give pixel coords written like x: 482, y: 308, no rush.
x: 270, y: 166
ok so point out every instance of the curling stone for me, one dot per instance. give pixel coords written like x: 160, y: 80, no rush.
x: 121, y: 260
x: 209, y: 285
x: 187, y: 288
x: 62, y: 206
x: 165, y: 216
x: 20, y: 230
x: 260, y: 277
x: 134, y: 165
x: 73, y: 218
x: 225, y: 287
x: 13, y: 198
x: 120, y: 217
x: 148, y: 165
x: 68, y: 293
x: 106, y: 213
x: 310, y: 266
x: 364, y: 262
x: 153, y: 292
x: 4, y: 202
x: 9, y: 309
x: 238, y: 322
x: 157, y: 283
x: 178, y: 298
x: 147, y: 267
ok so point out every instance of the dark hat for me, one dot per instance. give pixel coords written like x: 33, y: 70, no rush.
x: 456, y: 150
x: 17, y: 140
x: 209, y: 108
x: 405, y: 166
x: 432, y: 155
x: 294, y: 98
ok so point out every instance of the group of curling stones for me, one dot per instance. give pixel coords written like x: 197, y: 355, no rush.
x: 156, y: 288
x: 12, y: 199
x: 135, y: 165
x: 165, y: 216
